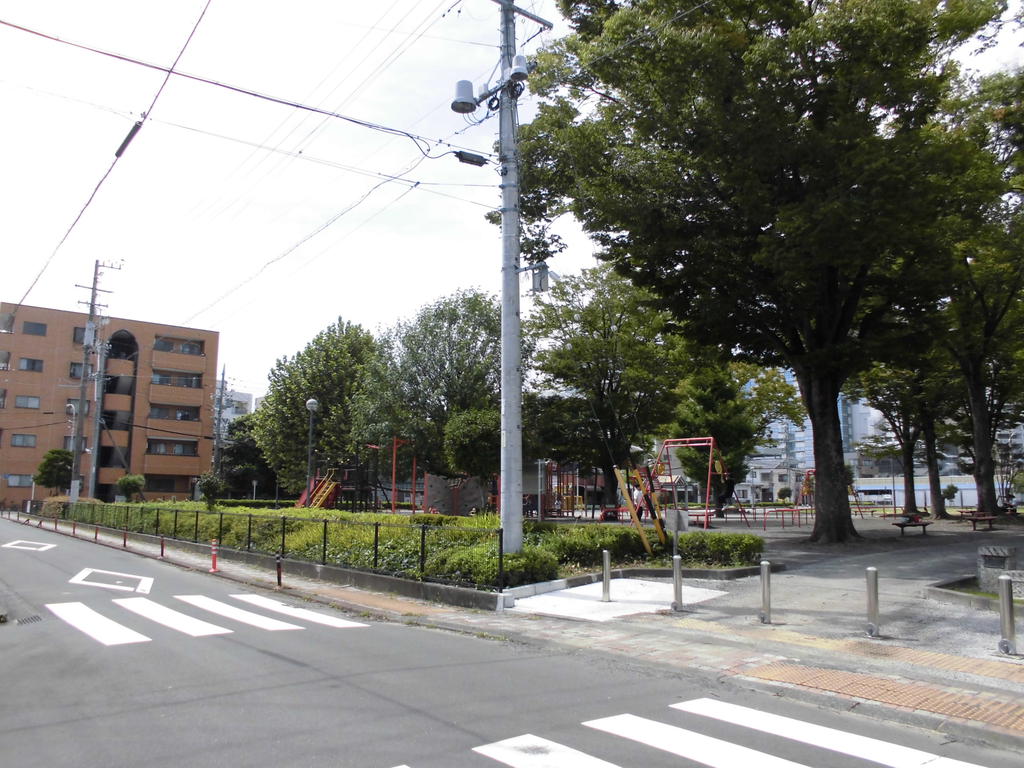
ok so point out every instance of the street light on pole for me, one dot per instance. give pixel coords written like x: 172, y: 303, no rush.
x: 312, y: 406
x: 514, y: 71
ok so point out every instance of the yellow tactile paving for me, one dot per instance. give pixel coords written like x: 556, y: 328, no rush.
x: 1000, y: 670
x: 981, y: 707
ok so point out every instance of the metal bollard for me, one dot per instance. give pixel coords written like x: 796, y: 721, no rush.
x: 161, y: 545
x: 677, y: 583
x: 766, y: 593
x: 872, y: 579
x: 278, y: 569
x: 1008, y: 641
x: 606, y: 576
x: 124, y: 538
x: 74, y: 527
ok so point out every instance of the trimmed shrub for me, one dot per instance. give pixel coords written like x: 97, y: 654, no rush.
x: 723, y: 550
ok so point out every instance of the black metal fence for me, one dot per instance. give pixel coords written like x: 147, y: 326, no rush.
x: 398, y: 549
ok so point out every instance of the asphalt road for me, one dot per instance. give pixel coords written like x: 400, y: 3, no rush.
x: 111, y: 659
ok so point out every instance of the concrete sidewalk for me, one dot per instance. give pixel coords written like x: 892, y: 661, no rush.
x: 935, y: 665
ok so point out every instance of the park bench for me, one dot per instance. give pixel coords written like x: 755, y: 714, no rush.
x: 975, y: 519
x: 922, y: 524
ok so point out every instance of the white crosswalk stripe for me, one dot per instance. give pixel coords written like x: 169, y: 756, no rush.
x: 876, y: 750
x: 530, y: 751
x: 95, y: 625
x: 237, y: 614
x: 107, y: 631
x: 707, y: 750
x: 298, y: 613
x: 169, y: 617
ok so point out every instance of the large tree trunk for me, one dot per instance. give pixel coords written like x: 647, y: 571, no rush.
x: 931, y: 454
x: 611, y: 486
x: 832, y: 519
x: 984, y: 464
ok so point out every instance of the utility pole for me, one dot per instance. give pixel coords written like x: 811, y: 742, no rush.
x: 88, y: 344
x: 101, y: 380
x: 218, y: 419
x: 513, y: 72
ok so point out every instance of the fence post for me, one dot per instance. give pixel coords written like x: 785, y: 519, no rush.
x: 174, y: 533
x: 157, y: 525
x: 606, y: 576
x: 323, y: 557
x: 766, y: 593
x: 376, y: 542
x: 248, y: 535
x: 283, y: 519
x: 1008, y: 641
x: 220, y: 527
x: 677, y: 583
x: 195, y: 533
x: 423, y: 547
x: 872, y: 578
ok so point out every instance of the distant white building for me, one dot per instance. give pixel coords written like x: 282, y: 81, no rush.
x: 231, y: 404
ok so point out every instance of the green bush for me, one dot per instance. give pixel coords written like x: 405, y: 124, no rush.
x: 581, y: 545
x: 256, y: 503
x: 722, y: 550
x: 478, y: 564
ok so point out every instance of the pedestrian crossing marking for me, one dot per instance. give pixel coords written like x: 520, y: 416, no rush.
x: 171, y: 618
x: 95, y: 625
x: 529, y: 751
x: 237, y: 614
x: 866, y: 747
x: 707, y: 750
x: 298, y: 613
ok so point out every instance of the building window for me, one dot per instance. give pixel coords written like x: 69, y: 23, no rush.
x: 19, y: 481
x: 163, y: 345
x: 173, y: 447
x: 75, y: 370
x: 188, y: 380
x: 33, y: 329
x: 782, y: 478
x: 5, y: 360
x: 3, y: 398
x: 191, y: 347
x: 68, y: 444
x: 78, y: 335
x: 74, y: 401
x: 26, y: 401
x: 30, y: 364
x: 23, y: 441
x: 160, y: 484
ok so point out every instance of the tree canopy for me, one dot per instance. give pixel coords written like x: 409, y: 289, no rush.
x: 328, y: 370
x: 774, y: 172
x: 436, y: 385
x: 54, y: 471
x: 607, y: 364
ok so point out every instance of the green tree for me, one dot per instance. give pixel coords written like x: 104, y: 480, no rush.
x: 130, y: 485
x: 242, y: 461
x: 772, y: 171
x: 735, y: 403
x: 612, y: 364
x: 985, y: 311
x: 328, y: 370
x: 212, y: 487
x: 444, y: 365
x: 54, y: 471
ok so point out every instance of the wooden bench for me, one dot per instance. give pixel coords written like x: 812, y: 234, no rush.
x: 975, y: 519
x: 922, y: 524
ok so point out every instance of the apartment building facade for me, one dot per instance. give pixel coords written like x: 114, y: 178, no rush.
x: 148, y: 409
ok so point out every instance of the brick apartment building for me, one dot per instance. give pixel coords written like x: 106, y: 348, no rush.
x: 155, y: 393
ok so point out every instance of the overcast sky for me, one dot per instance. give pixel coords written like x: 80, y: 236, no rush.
x: 236, y: 214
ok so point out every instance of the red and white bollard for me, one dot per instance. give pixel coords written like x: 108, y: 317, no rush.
x: 74, y: 527
x: 213, y: 556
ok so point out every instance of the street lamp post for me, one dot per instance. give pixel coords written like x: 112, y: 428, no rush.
x: 312, y: 406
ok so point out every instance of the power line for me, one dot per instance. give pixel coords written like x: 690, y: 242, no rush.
x: 419, y: 141
x: 117, y: 156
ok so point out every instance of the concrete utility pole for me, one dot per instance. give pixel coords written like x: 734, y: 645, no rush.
x: 78, y: 432
x: 100, y: 377
x: 513, y: 73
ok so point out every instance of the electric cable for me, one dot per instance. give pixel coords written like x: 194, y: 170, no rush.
x: 117, y: 156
